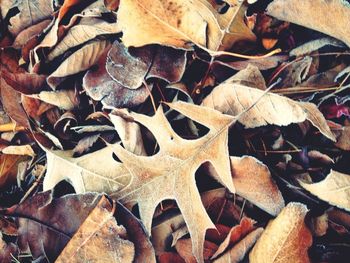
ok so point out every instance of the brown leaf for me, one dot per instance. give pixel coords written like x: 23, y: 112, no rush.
x: 130, y: 67
x: 285, y: 239
x: 8, y: 169
x: 99, y: 238
x: 24, y: 82
x: 7, y: 251
x: 265, y: 108
x: 315, y: 14
x: 184, y: 248
x: 178, y: 23
x: 334, y: 189
x: 250, y: 76
x: 77, y: 61
x: 236, y: 233
x: 64, y: 99
x: 170, y: 257
x: 173, y: 168
x: 30, y: 12
x: 101, y: 87
x: 85, y: 144
x: 238, y: 252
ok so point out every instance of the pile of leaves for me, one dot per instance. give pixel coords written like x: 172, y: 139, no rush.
x: 174, y: 131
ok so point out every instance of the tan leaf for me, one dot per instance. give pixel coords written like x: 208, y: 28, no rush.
x: 266, y: 108
x: 179, y: 22
x: 253, y: 181
x: 99, y: 239
x: 315, y: 14
x: 334, y: 189
x: 109, y: 176
x: 285, y: 239
x: 79, y: 61
x: 250, y: 76
x: 19, y: 150
x: 30, y: 13
x: 87, y: 29
x: 8, y: 168
x: 238, y: 252
x: 64, y: 99
x: 174, y: 166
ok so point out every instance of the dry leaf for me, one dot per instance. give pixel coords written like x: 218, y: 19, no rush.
x: 131, y: 67
x: 99, y: 239
x: 64, y: 99
x: 315, y: 45
x: 236, y: 233
x: 87, y: 29
x: 267, y: 108
x: 315, y: 14
x: 30, y: 13
x: 84, y: 175
x: 250, y: 76
x: 7, y: 251
x: 173, y: 168
x: 238, y: 252
x: 19, y: 150
x: 285, y: 239
x: 184, y: 248
x: 8, y: 168
x: 85, y: 144
x: 334, y: 189
x: 101, y: 87
x: 178, y: 23
x: 79, y: 61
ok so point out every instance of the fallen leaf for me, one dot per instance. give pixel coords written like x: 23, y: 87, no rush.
x: 239, y: 251
x: 314, y: 45
x: 334, y: 189
x: 315, y: 14
x: 78, y: 62
x: 285, y: 239
x: 172, y: 257
x: 174, y: 166
x: 85, y: 144
x: 7, y: 250
x: 266, y: 108
x: 100, y: 86
x: 109, y: 176
x: 19, y: 150
x: 87, y: 29
x: 236, y: 233
x: 184, y: 248
x: 24, y: 82
x: 30, y: 12
x: 208, y: 29
x: 64, y: 99
x: 250, y: 76
x: 131, y: 67
x: 8, y: 169
x: 99, y: 238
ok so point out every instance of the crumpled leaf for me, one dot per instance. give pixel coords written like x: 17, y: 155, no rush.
x: 314, y: 45
x: 184, y: 248
x: 343, y: 141
x: 79, y: 61
x: 7, y: 250
x: 315, y: 14
x: 64, y: 99
x: 30, y: 13
x: 285, y: 239
x: 99, y: 239
x: 238, y: 252
x: 173, y: 168
x: 181, y: 22
x: 8, y: 168
x: 268, y: 108
x: 131, y: 67
x: 334, y: 189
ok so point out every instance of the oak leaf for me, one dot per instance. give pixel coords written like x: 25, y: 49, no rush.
x: 267, y: 108
x: 171, y: 171
x: 181, y: 22
x: 334, y: 189
x: 315, y: 14
x: 285, y: 239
